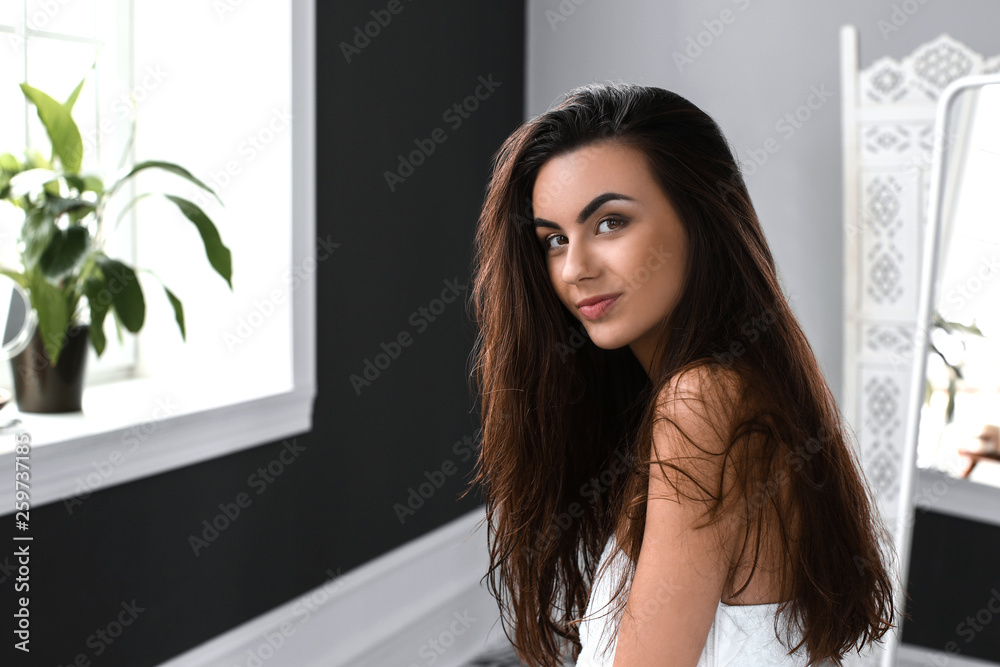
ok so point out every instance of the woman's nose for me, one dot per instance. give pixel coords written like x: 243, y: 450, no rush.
x: 581, y: 262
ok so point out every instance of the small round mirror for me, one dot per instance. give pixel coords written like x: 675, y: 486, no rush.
x: 17, y: 318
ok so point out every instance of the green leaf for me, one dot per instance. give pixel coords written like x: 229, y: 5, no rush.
x: 126, y: 293
x: 68, y: 104
x: 94, y: 288
x: 178, y: 311
x: 53, y: 314
x: 118, y: 326
x: 62, y: 130
x: 36, y: 160
x: 64, y: 251
x: 964, y: 328
x: 175, y: 303
x: 92, y: 184
x: 219, y: 255
x: 38, y: 229
x: 84, y: 183
x: 52, y: 189
x: 59, y: 205
x: 74, y: 181
x: 172, y: 168
x: 10, y: 164
x: 17, y: 276
x: 949, y: 411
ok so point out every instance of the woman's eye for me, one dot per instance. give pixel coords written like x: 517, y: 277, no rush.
x: 617, y: 223
x: 547, y: 242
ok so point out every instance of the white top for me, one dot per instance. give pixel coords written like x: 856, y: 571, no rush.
x: 740, y: 636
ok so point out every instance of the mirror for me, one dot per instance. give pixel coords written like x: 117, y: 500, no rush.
x: 18, y: 318
x: 951, y: 458
x: 959, y: 419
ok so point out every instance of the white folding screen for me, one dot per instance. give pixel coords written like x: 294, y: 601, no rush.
x: 887, y: 118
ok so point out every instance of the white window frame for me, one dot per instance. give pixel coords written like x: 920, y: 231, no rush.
x: 74, y: 455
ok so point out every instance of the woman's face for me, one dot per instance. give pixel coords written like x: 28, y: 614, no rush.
x: 608, y: 230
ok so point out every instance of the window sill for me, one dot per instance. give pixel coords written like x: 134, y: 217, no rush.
x: 135, y: 428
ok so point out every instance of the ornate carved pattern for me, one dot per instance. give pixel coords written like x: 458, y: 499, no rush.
x: 881, y: 139
x: 882, y: 405
x: 889, y: 244
x: 888, y: 343
x: 920, y: 77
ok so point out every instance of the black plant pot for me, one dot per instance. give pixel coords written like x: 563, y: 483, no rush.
x: 41, y: 387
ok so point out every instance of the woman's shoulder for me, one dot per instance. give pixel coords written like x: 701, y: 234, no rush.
x: 707, y: 393
x: 707, y: 380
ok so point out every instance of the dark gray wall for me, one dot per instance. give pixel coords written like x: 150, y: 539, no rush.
x: 334, y: 504
x: 954, y: 583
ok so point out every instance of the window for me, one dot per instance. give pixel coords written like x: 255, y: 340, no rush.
x: 225, y: 89
x: 221, y: 107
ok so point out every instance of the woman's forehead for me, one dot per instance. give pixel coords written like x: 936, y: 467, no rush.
x: 570, y: 178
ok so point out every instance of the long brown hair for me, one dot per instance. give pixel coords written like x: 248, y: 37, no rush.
x: 567, y: 426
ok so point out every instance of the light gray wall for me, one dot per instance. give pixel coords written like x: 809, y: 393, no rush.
x: 763, y: 64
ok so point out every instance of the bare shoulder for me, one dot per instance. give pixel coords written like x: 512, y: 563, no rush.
x: 709, y: 380
x: 684, y: 562
x: 704, y: 400
x: 691, y: 455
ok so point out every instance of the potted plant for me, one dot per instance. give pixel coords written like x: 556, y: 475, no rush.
x: 63, y: 261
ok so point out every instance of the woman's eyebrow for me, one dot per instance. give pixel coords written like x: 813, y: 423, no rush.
x: 588, y: 210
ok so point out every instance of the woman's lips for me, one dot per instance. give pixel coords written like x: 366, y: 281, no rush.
x: 597, y: 310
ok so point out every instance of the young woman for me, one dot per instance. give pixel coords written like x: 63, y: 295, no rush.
x: 651, y: 408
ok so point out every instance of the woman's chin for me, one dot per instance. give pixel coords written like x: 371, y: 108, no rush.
x: 607, y: 342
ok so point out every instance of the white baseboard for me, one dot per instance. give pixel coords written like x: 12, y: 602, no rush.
x: 417, y: 605
x: 909, y: 655
x: 940, y: 492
